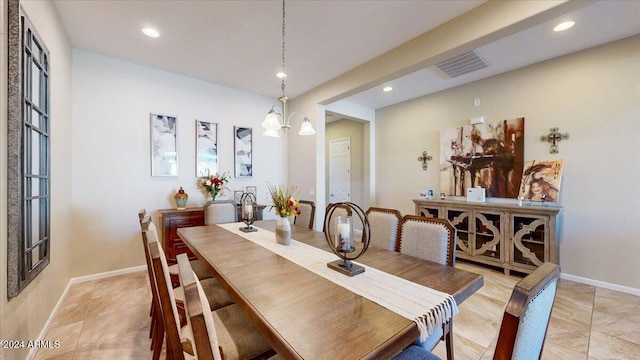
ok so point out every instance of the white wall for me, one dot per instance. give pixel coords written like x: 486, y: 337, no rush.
x: 594, y: 95
x: 111, y: 159
x: 24, y: 316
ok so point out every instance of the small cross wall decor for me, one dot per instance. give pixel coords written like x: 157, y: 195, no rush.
x: 424, y: 158
x: 554, y: 137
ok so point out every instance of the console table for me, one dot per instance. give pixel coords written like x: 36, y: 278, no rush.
x: 173, y: 219
x: 518, y: 238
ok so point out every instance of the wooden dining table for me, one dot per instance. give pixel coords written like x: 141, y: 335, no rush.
x: 303, y: 315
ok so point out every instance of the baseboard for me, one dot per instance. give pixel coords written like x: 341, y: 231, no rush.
x: 107, y: 274
x: 602, y: 284
x: 73, y: 281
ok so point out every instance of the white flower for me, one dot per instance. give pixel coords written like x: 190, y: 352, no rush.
x: 208, y: 182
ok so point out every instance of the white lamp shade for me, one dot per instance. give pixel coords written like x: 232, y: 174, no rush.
x: 306, y: 128
x: 271, y: 121
x: 271, y: 133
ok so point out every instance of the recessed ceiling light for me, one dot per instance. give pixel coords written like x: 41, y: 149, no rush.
x: 387, y: 88
x: 281, y: 75
x: 564, y: 26
x: 151, y: 32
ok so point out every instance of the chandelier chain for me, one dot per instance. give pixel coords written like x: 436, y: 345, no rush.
x: 284, y: 70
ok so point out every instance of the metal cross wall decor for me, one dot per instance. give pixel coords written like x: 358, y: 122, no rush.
x: 554, y: 137
x: 424, y: 158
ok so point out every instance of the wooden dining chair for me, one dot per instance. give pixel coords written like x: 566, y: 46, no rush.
x: 156, y: 330
x: 427, y: 238
x: 220, y: 212
x: 339, y: 211
x: 525, y: 320
x: 384, y: 227
x: 224, y: 333
x: 431, y: 239
x: 526, y: 317
x: 215, y: 294
x: 307, y: 214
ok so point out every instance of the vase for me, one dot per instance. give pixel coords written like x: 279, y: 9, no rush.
x: 181, y: 199
x: 283, y: 231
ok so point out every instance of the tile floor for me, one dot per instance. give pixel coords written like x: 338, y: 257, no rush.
x: 109, y: 319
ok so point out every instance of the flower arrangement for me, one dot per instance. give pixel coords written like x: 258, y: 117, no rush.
x: 283, y: 201
x: 215, y: 184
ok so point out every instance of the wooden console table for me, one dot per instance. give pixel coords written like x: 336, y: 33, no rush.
x: 173, y: 219
x: 518, y: 238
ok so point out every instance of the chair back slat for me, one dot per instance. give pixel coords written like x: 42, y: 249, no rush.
x: 526, y: 317
x: 199, y: 315
x: 384, y: 227
x: 220, y: 212
x: 307, y: 214
x: 170, y: 316
x: 428, y: 238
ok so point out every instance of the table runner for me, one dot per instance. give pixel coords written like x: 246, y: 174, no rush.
x: 427, y: 307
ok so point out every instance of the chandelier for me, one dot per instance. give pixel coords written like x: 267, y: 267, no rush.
x: 271, y: 123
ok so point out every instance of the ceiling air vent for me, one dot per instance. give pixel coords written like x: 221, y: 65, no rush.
x: 462, y: 64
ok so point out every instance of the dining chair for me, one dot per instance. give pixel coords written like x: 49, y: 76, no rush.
x: 428, y: 238
x: 431, y: 239
x: 216, y: 296
x: 220, y: 212
x: 384, y: 227
x: 307, y: 214
x: 156, y: 330
x: 224, y: 333
x: 525, y: 320
x: 339, y: 211
x: 526, y: 317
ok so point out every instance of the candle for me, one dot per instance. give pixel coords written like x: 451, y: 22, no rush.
x: 248, y: 211
x: 344, y: 236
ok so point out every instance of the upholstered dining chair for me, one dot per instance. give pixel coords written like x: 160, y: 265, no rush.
x: 220, y: 212
x: 384, y: 227
x: 339, y: 211
x: 224, y: 332
x: 215, y: 294
x: 525, y: 320
x: 431, y: 239
x: 307, y: 214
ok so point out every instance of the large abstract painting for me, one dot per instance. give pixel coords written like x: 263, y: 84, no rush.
x: 541, y: 180
x: 243, y: 151
x: 490, y: 156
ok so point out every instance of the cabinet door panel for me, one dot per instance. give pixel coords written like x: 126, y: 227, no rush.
x: 429, y: 211
x: 460, y: 220
x: 529, y: 240
x: 488, y: 231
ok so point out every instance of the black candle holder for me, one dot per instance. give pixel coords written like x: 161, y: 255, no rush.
x: 248, y: 206
x: 345, y: 266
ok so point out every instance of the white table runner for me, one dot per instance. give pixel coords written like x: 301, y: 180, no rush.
x: 427, y: 307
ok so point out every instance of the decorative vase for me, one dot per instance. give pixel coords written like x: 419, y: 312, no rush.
x: 283, y: 231
x: 181, y: 199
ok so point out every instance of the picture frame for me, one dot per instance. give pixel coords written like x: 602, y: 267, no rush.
x: 243, y: 154
x: 206, y: 148
x: 252, y: 190
x: 164, y: 147
x: 237, y: 196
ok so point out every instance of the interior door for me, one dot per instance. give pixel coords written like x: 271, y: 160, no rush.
x: 340, y: 170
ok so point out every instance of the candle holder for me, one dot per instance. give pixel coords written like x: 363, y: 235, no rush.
x: 341, y: 238
x: 248, y: 205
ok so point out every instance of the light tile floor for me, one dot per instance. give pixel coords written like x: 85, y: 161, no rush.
x: 109, y: 319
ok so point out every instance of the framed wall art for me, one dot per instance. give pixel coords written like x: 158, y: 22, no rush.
x: 206, y: 148
x: 541, y: 180
x: 489, y: 155
x: 164, y: 148
x: 243, y: 151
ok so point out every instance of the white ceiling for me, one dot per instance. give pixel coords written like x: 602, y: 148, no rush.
x: 238, y: 43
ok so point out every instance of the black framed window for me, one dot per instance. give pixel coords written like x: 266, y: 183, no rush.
x: 29, y: 145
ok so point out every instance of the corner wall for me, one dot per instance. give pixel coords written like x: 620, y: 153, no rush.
x: 593, y: 95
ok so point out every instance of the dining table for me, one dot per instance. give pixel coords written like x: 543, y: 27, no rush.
x: 305, y: 316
